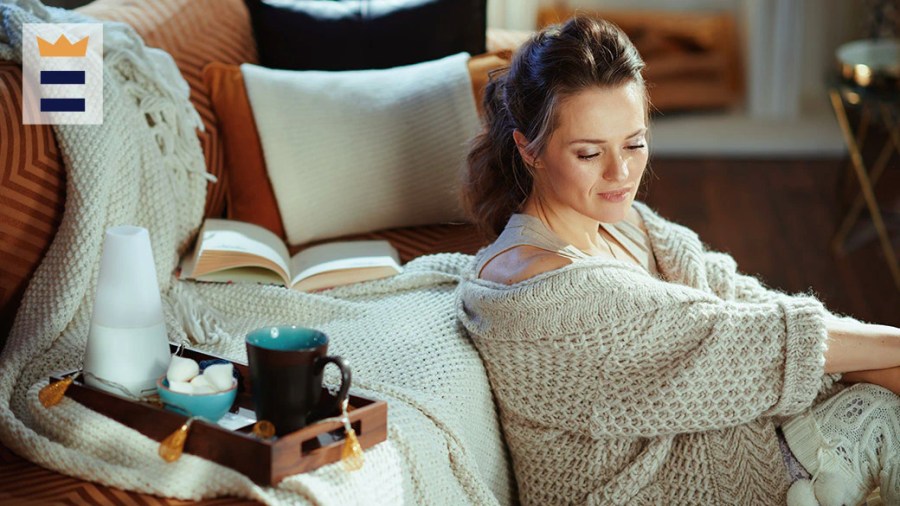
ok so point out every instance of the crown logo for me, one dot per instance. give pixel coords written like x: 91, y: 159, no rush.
x: 62, y: 47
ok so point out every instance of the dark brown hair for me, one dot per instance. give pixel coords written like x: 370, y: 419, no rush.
x: 558, y: 61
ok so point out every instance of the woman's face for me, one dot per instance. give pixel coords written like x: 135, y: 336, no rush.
x: 599, y: 146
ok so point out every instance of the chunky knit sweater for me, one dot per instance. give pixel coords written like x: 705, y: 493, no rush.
x: 616, y: 386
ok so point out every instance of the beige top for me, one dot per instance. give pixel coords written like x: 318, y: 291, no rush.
x: 526, y: 229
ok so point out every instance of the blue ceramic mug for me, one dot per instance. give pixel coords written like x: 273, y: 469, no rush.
x: 286, y: 366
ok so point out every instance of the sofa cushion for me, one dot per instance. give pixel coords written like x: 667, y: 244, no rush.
x: 250, y: 195
x: 32, y: 194
x: 365, y: 34
x: 353, y: 151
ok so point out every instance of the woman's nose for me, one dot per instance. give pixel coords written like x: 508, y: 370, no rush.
x: 615, y: 168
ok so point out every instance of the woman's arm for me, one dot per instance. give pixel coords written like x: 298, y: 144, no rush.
x: 857, y: 346
x: 888, y: 378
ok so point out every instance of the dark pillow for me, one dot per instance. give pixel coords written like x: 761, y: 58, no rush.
x: 364, y: 34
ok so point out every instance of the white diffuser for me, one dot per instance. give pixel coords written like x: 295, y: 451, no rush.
x: 127, y: 347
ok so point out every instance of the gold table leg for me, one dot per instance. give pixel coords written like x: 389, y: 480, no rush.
x: 892, y: 144
x: 865, y: 183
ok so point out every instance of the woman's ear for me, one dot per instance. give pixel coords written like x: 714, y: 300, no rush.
x: 521, y: 143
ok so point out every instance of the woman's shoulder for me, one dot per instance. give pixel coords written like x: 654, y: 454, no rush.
x: 525, y: 261
x: 520, y: 263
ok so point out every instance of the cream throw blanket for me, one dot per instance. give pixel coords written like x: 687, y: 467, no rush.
x: 619, y: 387
x: 400, y: 334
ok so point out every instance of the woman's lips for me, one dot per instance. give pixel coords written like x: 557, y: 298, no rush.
x: 615, y: 196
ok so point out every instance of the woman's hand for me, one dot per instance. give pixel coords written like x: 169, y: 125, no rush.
x: 888, y: 378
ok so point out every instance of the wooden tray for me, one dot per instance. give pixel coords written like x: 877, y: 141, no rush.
x: 266, y: 462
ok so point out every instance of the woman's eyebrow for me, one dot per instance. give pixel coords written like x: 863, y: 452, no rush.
x: 601, y: 141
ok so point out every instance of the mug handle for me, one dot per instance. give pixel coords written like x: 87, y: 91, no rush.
x: 342, y: 364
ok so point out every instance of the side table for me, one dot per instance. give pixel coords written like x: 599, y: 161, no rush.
x: 875, y: 106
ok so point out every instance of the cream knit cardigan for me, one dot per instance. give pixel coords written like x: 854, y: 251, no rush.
x: 144, y: 166
x: 618, y: 387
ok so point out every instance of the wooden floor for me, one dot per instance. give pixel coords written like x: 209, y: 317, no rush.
x: 775, y: 217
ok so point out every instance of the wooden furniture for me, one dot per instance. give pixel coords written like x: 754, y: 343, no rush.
x: 266, y: 462
x: 692, y: 59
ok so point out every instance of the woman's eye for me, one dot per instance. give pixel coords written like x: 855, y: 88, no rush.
x: 636, y: 147
x: 588, y: 157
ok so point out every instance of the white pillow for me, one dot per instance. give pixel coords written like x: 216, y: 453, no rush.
x: 363, y: 150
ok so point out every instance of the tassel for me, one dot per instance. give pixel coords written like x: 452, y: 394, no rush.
x: 52, y: 394
x: 172, y: 446
x: 197, y: 321
x: 351, y: 453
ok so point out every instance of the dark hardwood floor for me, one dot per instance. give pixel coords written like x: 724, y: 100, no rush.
x: 777, y: 218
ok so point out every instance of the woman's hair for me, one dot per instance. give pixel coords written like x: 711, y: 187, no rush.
x: 556, y: 62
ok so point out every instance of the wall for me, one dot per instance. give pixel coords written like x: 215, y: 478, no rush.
x: 786, y: 113
x: 788, y: 44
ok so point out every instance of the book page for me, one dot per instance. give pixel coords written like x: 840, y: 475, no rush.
x: 331, y: 279
x: 343, y: 255
x: 249, y: 274
x: 225, y: 241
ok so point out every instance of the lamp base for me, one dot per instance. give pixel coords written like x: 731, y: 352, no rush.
x: 132, y: 358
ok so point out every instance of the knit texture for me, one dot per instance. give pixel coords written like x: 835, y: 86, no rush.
x: 850, y: 444
x: 619, y: 387
x: 143, y: 166
x: 364, y: 150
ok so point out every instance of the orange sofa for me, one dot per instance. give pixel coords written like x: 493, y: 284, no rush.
x: 33, y: 188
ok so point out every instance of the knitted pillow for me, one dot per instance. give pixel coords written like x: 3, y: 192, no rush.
x: 362, y: 150
x: 250, y: 196
x: 365, y: 34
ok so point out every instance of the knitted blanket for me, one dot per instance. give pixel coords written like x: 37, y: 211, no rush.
x: 143, y: 166
x: 646, y: 389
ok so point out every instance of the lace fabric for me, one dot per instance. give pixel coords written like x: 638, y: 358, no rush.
x: 853, y: 437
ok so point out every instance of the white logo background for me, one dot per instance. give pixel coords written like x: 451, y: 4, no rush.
x: 33, y: 63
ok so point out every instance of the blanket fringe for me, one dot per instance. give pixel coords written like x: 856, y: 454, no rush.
x: 193, y: 321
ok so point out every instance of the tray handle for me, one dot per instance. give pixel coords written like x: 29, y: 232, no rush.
x: 327, y: 440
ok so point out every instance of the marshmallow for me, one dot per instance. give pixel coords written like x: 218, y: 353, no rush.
x: 202, y: 380
x: 182, y: 369
x: 203, y: 388
x: 219, y: 376
x: 181, y: 387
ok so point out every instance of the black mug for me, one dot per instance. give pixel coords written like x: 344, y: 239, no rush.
x: 286, y: 366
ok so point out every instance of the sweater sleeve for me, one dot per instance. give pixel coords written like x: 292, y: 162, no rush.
x: 730, y: 284
x: 698, y: 363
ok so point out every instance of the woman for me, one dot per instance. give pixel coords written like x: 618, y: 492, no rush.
x: 630, y: 363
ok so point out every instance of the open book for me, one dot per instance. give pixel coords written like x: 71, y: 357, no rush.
x: 234, y: 251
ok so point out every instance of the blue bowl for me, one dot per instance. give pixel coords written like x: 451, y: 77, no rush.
x: 212, y: 406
